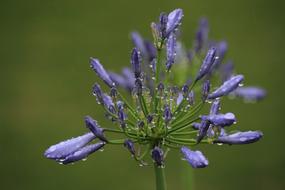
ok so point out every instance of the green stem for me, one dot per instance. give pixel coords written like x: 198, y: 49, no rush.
x: 160, y: 178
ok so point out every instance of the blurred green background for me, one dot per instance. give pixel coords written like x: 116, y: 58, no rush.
x: 46, y: 83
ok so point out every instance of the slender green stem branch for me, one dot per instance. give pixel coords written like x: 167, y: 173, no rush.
x: 160, y: 178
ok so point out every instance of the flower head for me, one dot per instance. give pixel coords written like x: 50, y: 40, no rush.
x: 160, y: 112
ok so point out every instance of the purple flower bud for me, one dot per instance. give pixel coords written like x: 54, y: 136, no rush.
x: 140, y: 124
x: 205, y: 89
x: 120, y: 81
x: 185, y: 90
x: 167, y: 115
x: 190, y: 56
x: 149, y: 118
x: 227, y: 70
x: 151, y: 50
x: 92, y: 125
x: 196, y: 126
x: 203, y: 130
x: 120, y: 105
x: 250, y: 93
x: 191, y: 98
x: 240, y: 138
x: 139, y: 42
x: 160, y: 87
x: 179, y: 98
x: 222, y: 48
x: 113, y: 92
x: 98, y: 93
x: 163, y: 18
x: 122, y: 117
x: 136, y: 62
x: 173, y: 21
x: 82, y: 153
x: 158, y: 156
x: 221, y: 120
x: 195, y: 158
x: 130, y: 146
x: 108, y: 103
x: 201, y: 34
x: 67, y: 147
x: 228, y: 86
x: 215, y: 107
x: 207, y: 63
x: 101, y: 72
x: 138, y: 86
x: 170, y: 51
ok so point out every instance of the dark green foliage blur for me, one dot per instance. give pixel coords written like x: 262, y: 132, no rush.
x: 46, y: 90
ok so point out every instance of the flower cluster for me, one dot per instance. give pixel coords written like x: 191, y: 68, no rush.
x: 169, y: 89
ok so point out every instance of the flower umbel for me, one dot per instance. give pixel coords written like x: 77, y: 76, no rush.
x: 161, y: 112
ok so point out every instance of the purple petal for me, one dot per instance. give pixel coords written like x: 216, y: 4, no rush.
x: 64, y: 148
x: 195, y: 158
x: 240, y: 138
x: 82, y: 153
x: 228, y: 86
x: 101, y: 72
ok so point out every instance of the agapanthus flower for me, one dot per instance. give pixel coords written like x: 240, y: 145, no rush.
x: 160, y: 112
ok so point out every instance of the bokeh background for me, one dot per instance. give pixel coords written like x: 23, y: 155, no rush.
x: 46, y: 81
